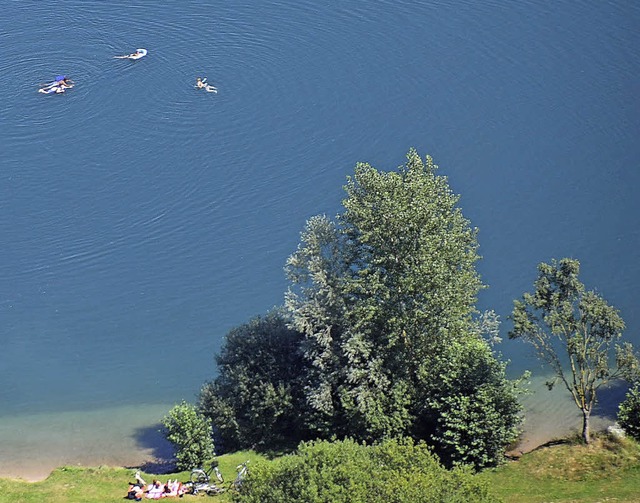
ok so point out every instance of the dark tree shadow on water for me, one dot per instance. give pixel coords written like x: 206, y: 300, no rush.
x: 162, y: 451
x: 609, y: 398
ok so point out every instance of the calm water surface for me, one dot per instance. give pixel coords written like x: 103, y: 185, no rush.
x: 142, y: 219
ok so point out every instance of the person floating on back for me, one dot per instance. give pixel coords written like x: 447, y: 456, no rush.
x: 202, y: 84
x: 140, y: 53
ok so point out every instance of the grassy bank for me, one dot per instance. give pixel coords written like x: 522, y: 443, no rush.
x: 606, y: 471
x: 106, y: 484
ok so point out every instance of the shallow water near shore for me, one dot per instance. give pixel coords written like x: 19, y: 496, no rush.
x: 130, y: 436
x: 142, y: 219
x: 115, y: 436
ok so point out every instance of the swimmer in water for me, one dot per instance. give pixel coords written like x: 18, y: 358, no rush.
x: 134, y: 55
x: 59, y: 85
x: 202, y: 84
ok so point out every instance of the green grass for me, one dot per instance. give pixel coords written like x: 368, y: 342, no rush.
x: 604, y: 471
x: 107, y: 484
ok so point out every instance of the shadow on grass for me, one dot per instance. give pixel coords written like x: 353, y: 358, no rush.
x: 557, y: 441
x: 151, y: 437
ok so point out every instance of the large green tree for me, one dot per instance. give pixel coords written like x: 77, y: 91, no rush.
x: 573, y: 331
x: 381, y: 296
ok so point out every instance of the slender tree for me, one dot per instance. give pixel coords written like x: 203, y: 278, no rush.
x: 573, y: 331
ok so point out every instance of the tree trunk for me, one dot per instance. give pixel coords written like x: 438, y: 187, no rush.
x: 585, y: 426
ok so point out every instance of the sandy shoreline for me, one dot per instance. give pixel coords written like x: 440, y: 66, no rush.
x: 32, y: 446
x: 552, y: 415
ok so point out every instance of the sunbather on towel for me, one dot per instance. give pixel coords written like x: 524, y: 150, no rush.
x: 135, y: 492
x: 156, y: 490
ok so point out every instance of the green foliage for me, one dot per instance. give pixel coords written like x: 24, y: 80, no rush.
x: 214, y: 402
x: 475, y: 408
x: 629, y: 412
x: 318, y: 310
x: 256, y: 400
x: 346, y: 471
x: 379, y: 338
x: 191, y: 434
x: 569, y: 326
x: 381, y: 297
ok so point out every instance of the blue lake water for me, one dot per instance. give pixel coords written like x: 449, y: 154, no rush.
x: 142, y: 219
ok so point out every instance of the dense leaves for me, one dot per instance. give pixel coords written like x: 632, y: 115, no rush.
x: 319, y: 310
x: 473, y: 413
x: 379, y: 337
x: 345, y: 471
x: 256, y: 399
x: 574, y: 331
x: 191, y: 434
x: 383, y: 296
x: 629, y: 412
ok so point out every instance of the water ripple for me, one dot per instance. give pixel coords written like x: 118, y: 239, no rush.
x: 140, y: 211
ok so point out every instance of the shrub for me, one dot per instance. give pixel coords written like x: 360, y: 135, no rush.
x: 191, y: 434
x: 629, y: 413
x: 256, y: 401
x: 475, y: 410
x: 345, y: 471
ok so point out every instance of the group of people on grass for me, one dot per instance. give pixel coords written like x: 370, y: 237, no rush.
x: 156, y: 490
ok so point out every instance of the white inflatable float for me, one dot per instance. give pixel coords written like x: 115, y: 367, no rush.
x: 58, y: 86
x: 52, y: 90
x: 140, y: 53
